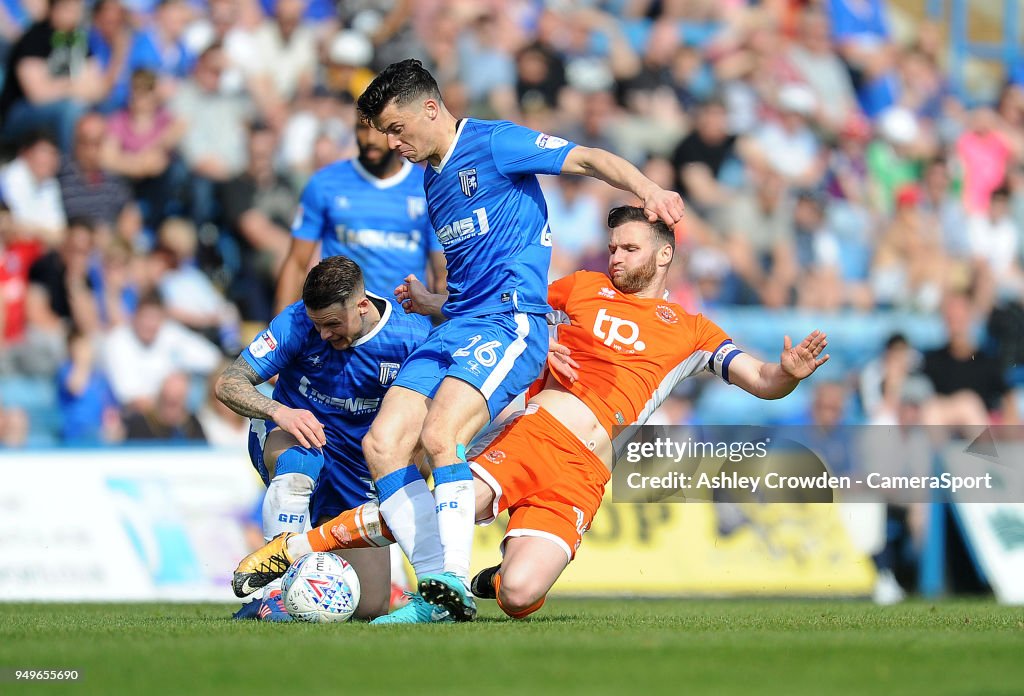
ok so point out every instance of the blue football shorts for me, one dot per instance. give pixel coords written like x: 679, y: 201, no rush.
x: 499, y: 354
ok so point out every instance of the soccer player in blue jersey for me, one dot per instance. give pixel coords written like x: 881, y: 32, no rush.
x: 486, y: 208
x: 370, y: 209
x: 335, y: 353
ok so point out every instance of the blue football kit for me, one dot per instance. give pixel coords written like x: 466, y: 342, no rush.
x: 342, y: 388
x: 381, y: 224
x: 488, y: 212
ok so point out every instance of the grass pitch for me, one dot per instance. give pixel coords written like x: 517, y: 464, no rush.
x: 572, y: 646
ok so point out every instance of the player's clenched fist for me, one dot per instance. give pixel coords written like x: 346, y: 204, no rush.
x: 302, y: 424
x: 664, y: 205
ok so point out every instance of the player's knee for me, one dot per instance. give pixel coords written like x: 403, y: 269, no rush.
x: 519, y: 596
x: 437, y: 441
x: 291, y: 487
x: 377, y: 450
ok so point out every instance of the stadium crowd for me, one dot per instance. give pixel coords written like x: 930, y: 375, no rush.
x: 155, y: 151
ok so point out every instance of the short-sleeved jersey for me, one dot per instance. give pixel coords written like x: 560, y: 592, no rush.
x: 489, y: 214
x: 631, y: 350
x: 342, y: 388
x: 381, y: 224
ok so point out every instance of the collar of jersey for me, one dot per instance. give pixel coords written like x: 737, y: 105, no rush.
x: 387, y: 183
x: 455, y: 141
x: 380, y: 324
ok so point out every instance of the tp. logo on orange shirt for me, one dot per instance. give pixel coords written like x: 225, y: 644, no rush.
x: 618, y: 331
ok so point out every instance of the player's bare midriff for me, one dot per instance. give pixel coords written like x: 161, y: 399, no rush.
x: 576, y: 417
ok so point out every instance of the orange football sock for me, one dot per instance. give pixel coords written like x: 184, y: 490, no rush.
x: 515, y: 614
x: 359, y: 528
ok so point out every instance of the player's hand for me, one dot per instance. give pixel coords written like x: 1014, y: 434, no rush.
x: 664, y: 205
x: 415, y: 298
x: 802, y: 360
x: 560, y: 361
x: 302, y: 425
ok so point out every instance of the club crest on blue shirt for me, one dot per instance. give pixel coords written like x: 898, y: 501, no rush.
x: 388, y: 372
x: 467, y: 180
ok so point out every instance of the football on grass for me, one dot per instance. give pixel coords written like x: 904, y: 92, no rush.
x: 320, y: 588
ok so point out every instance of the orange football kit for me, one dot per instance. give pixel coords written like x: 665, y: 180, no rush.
x: 631, y: 352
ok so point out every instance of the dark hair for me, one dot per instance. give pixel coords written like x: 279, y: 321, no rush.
x: 896, y: 339
x: 33, y: 138
x: 150, y: 298
x: 332, y: 281
x: 1002, y: 191
x: 631, y: 213
x: 399, y: 83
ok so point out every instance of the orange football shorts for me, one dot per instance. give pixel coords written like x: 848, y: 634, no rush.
x: 545, y: 476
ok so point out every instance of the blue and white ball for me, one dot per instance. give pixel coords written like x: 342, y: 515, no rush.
x: 320, y: 588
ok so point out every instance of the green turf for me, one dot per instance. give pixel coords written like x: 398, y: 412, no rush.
x: 572, y: 646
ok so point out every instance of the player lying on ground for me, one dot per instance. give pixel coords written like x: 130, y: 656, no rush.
x: 489, y: 214
x: 548, y: 465
x: 335, y: 352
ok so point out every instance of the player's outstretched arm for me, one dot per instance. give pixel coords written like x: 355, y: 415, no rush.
x: 236, y: 388
x: 776, y: 380
x: 612, y: 169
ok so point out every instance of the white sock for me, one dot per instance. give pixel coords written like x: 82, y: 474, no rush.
x: 408, y: 509
x: 285, y: 506
x: 297, y: 546
x: 455, y: 502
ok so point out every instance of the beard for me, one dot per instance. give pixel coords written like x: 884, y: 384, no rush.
x: 381, y: 166
x: 636, y: 279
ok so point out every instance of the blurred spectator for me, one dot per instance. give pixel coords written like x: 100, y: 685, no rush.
x: 909, y: 267
x: 389, y: 25
x: 759, y: 237
x: 62, y: 274
x: 788, y: 147
x: 488, y: 70
x: 139, y: 357
x: 577, y: 218
x: 14, y: 426
x: 258, y: 207
x: 141, y: 145
x: 861, y: 32
x: 893, y: 159
x: 970, y: 386
x: 540, y: 76
x: 16, y: 257
x: 232, y: 24
x: 701, y: 156
x: 994, y: 242
x: 89, y: 413
x: 222, y: 426
x: 345, y: 70
x: 329, y: 115
x: 89, y: 191
x: 985, y: 151
x: 50, y: 77
x: 161, y: 47
x: 168, y: 419
x: 817, y: 255
x: 43, y: 347
x: 188, y: 294
x: 111, y: 38
x: 213, y: 146
x: 29, y: 188
x: 286, y: 65
x: 939, y: 202
x: 817, y: 64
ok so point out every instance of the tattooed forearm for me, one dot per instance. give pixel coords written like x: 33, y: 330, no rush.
x: 236, y: 389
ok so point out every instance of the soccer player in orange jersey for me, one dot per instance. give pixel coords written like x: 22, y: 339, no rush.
x: 548, y: 464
